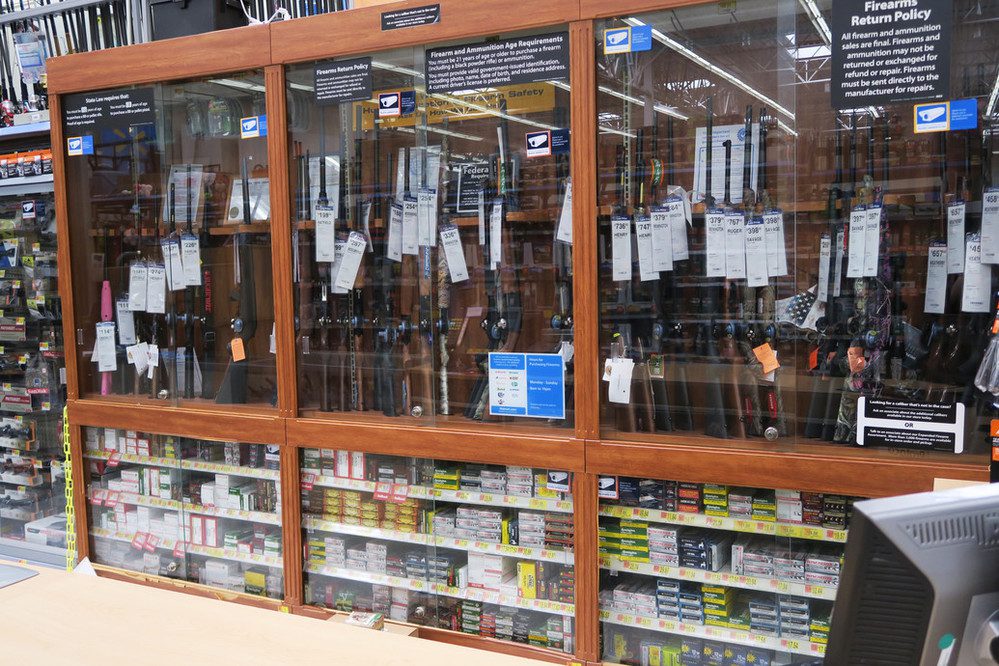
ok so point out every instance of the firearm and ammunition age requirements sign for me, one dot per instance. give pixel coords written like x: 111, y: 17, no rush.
x: 499, y: 63
x: 888, y: 51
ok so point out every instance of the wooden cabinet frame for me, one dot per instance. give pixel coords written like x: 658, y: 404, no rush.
x: 580, y: 450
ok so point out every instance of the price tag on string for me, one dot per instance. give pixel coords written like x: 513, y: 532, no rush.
x: 856, y: 241
x: 735, y: 245
x: 410, y: 226
x: 621, y: 248
x: 190, y: 251
x: 756, y: 253
x: 156, y: 289
x: 454, y: 253
x: 872, y: 240
x: 936, y: 278
x: 496, y: 235
x: 393, y: 248
x: 955, y: 237
x: 564, y: 230
x: 662, y: 240
x: 126, y: 322
x: 137, y: 273
x: 773, y: 224
x: 990, y: 226
x: 643, y: 236
x: 714, y: 252
x: 326, y: 234
x: 976, y: 295
x: 825, y: 254
x: 678, y: 227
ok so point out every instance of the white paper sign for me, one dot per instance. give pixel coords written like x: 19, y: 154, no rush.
x: 872, y: 241
x: 325, y: 233
x: 678, y: 228
x: 564, y: 230
x: 620, y: 247
x: 174, y: 263
x: 955, y: 237
x: 137, y: 277
x: 152, y: 359
x: 426, y: 214
x: 107, y: 360
x: 990, y: 226
x: 351, y: 261
x: 714, y: 234
x: 454, y: 253
x: 825, y: 254
x: 756, y: 253
x: 735, y: 245
x: 156, y: 289
x: 496, y: 235
x: 190, y: 251
x: 338, y: 248
x: 138, y: 355
x: 936, y: 278
x: 662, y: 240
x: 719, y: 135
x: 619, y: 390
x: 126, y: 323
x: 393, y: 248
x: 410, y: 226
x: 643, y: 235
x: 977, y: 295
x: 857, y: 242
x: 773, y: 225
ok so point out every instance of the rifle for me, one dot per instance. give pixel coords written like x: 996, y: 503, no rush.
x: 656, y: 366
x: 244, y: 324
x: 322, y: 199
x: 443, y: 280
x: 207, y: 318
x: 425, y: 384
x: 561, y: 320
x: 355, y: 300
x: 107, y: 307
x: 650, y: 410
x: 189, y: 306
x: 624, y: 414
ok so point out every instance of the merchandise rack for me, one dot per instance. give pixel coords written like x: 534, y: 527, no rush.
x: 582, y: 450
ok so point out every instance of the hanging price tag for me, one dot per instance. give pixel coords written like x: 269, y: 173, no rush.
x: 496, y: 235
x: 735, y: 245
x: 564, y: 230
x: 976, y: 296
x: 872, y: 240
x: 351, y: 261
x: 825, y: 252
x: 773, y: 225
x: 427, y: 216
x: 621, y: 370
x: 621, y: 247
x: 714, y: 236
x: 678, y: 228
x: 662, y: 240
x: 990, y: 226
x: 936, y: 278
x: 837, y: 259
x: 338, y: 249
x: 393, y: 248
x: 190, y: 251
x: 756, y: 253
x: 152, y: 360
x: 410, y: 226
x: 326, y: 233
x: 126, y: 322
x: 107, y: 360
x: 454, y: 253
x: 857, y: 238
x: 138, y: 355
x: 174, y: 263
x: 482, y: 217
x: 137, y: 286
x: 643, y: 235
x: 955, y: 237
x: 156, y: 289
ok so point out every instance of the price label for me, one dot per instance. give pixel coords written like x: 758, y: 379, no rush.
x: 382, y: 491
x: 783, y: 586
x: 114, y: 459
x: 400, y: 491
x: 139, y: 541
x: 178, y: 549
x: 791, y: 644
x: 308, y: 481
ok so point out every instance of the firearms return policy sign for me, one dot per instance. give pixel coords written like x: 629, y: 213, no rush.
x: 499, y: 63
x: 888, y: 51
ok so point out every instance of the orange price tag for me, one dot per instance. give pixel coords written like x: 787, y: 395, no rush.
x: 813, y: 359
x: 765, y: 355
x: 238, y: 353
x: 995, y: 427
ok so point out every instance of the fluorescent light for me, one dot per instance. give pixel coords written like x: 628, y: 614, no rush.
x: 711, y: 67
x: 437, y: 130
x: 819, y: 23
x: 661, y: 108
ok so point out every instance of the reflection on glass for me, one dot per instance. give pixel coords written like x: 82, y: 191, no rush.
x: 171, y: 221
x: 775, y: 269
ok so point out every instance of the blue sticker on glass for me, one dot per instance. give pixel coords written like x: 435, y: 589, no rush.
x: 262, y: 124
x: 531, y: 385
x: 249, y: 128
x: 407, y: 101
x: 560, y: 141
x: 80, y: 145
x: 964, y: 114
x: 932, y: 117
x: 617, y: 40
x: 641, y: 38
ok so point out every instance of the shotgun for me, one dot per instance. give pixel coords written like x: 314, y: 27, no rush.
x: 107, y: 307
x: 189, y: 304
x: 207, y: 318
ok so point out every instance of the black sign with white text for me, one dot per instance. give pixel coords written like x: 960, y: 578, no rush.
x: 500, y: 63
x: 887, y: 51
x: 343, y: 81
x: 92, y: 113
x: 471, y: 179
x: 409, y: 18
x: 897, y: 424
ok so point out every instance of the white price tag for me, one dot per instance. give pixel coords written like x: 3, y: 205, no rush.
x: 137, y: 275
x: 936, y: 278
x: 152, y: 359
x: 138, y: 355
x: 366, y: 220
x: 872, y: 240
x: 400, y: 176
x: 107, y: 360
x: 564, y: 230
x: 338, y: 248
x: 662, y: 240
x: 190, y: 251
x: 838, y: 262
x: 643, y: 234
x: 977, y: 295
x: 351, y: 261
x: 756, y: 253
x: 858, y: 237
x: 773, y: 225
x: 621, y: 370
x: 714, y: 236
x: 990, y: 226
x: 426, y: 214
x: 678, y: 228
x: 156, y: 289
x: 621, y: 247
x: 735, y: 245
x: 393, y: 248
x: 496, y: 235
x: 955, y: 237
x: 482, y: 217
x: 126, y: 323
x: 326, y: 233
x: 454, y: 253
x: 825, y: 253
x: 174, y: 263
x: 410, y: 226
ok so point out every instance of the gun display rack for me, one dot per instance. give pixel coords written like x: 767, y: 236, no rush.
x: 300, y: 405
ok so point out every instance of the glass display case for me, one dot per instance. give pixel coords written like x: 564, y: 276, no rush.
x: 432, y: 235
x: 32, y: 368
x: 694, y: 573
x: 481, y: 549
x: 776, y: 267
x: 169, y: 190
x: 203, y: 511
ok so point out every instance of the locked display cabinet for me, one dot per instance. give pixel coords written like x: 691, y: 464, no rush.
x: 786, y: 260
x: 169, y: 188
x: 432, y: 233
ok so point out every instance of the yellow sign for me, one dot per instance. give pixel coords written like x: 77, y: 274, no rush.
x: 520, y: 100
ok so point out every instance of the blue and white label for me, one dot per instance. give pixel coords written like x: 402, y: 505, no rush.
x: 627, y: 39
x: 407, y: 102
x: 528, y: 385
x: 539, y: 144
x: 389, y: 105
x: 963, y: 114
x: 252, y: 127
x: 80, y: 145
x: 932, y: 117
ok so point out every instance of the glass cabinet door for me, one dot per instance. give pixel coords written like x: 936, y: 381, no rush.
x: 432, y: 241
x: 777, y: 268
x: 169, y: 198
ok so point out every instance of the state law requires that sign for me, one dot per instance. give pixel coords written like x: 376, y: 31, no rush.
x: 530, y: 385
x: 887, y: 51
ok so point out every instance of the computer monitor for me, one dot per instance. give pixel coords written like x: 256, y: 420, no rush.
x: 920, y: 584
